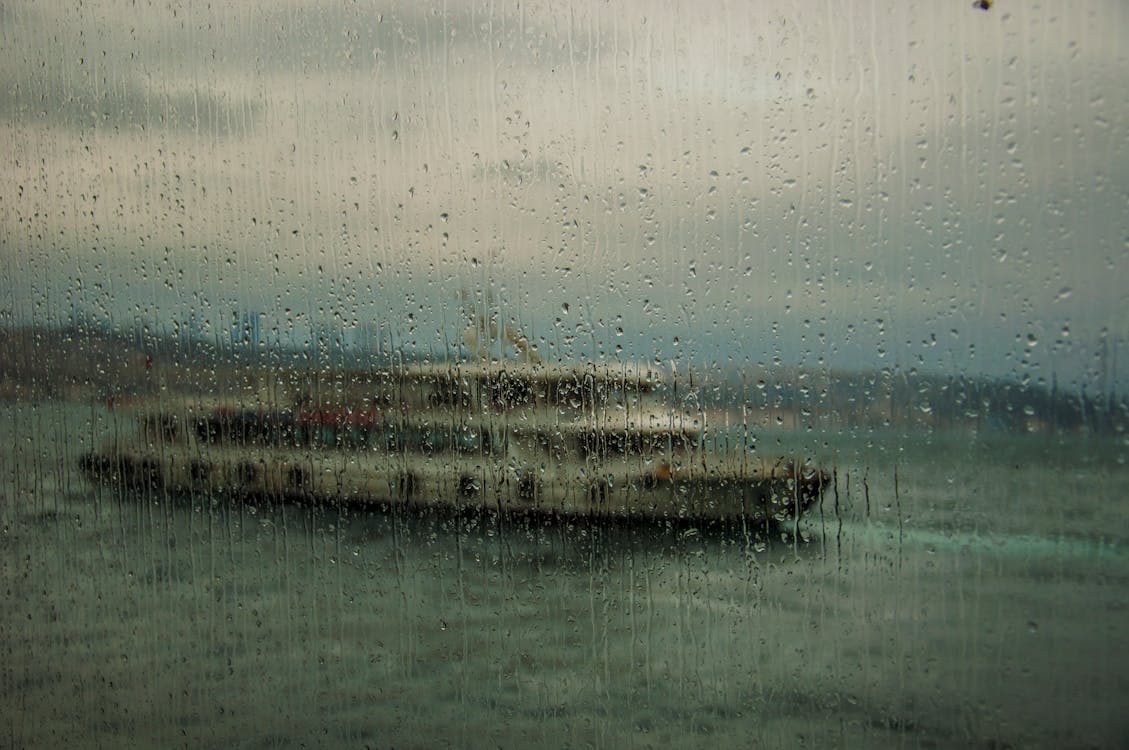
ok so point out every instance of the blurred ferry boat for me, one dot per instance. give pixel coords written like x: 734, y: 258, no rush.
x: 513, y: 435
x: 525, y: 437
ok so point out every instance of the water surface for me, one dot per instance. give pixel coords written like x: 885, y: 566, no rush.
x: 952, y: 590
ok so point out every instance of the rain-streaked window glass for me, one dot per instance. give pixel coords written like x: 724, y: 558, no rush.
x: 564, y: 374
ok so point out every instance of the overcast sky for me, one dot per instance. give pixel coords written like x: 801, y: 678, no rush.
x: 832, y: 184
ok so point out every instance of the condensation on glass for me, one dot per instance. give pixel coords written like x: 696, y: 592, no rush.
x: 605, y: 375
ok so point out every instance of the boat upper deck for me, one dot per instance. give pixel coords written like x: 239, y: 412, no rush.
x: 453, y: 388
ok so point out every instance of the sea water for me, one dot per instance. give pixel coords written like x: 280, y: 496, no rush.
x: 951, y: 590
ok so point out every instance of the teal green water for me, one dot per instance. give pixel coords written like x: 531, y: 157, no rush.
x: 950, y: 591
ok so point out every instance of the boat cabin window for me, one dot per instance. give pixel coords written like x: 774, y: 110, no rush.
x: 246, y: 428
x: 164, y: 428
x: 319, y: 431
x: 450, y: 391
x: 619, y: 443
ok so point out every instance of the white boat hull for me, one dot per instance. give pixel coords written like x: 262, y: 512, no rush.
x: 626, y: 488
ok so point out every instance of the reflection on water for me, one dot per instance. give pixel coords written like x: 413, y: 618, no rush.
x: 949, y: 592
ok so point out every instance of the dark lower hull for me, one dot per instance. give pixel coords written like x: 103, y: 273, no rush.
x: 692, y: 497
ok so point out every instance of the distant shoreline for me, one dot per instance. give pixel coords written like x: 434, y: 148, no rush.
x: 93, y: 365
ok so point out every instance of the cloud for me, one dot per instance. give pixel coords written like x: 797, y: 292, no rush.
x: 59, y: 72
x: 713, y: 169
x: 128, y: 106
